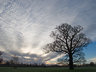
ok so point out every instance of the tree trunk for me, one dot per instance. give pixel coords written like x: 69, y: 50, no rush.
x: 71, y: 67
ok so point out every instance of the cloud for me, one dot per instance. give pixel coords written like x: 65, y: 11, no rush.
x: 10, y: 40
x: 92, y: 60
x: 23, y: 57
x: 50, y: 56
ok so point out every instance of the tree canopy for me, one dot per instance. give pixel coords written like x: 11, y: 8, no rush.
x: 69, y: 40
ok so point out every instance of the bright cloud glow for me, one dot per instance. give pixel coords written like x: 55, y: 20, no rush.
x: 92, y: 60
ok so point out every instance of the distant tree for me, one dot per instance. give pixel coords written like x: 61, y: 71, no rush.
x: 1, y: 59
x: 1, y: 53
x: 15, y: 59
x: 11, y: 62
x: 92, y: 64
x: 68, y: 40
x: 7, y: 63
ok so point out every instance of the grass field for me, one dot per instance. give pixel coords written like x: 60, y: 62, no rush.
x: 50, y: 69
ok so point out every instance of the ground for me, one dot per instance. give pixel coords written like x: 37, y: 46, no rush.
x: 47, y: 69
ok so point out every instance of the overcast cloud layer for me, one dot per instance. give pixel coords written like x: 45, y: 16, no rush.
x: 25, y: 25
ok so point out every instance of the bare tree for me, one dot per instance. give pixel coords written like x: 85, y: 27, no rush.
x: 1, y: 53
x: 1, y: 59
x: 68, y: 40
x: 15, y: 59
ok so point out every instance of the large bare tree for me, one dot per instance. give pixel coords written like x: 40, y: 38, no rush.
x: 68, y: 40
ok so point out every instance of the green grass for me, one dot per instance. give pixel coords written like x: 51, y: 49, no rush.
x: 51, y: 69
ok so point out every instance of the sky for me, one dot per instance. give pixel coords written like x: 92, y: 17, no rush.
x: 25, y: 26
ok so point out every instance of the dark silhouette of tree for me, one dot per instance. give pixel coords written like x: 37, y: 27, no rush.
x: 92, y: 64
x: 1, y: 59
x: 78, y: 59
x: 15, y: 61
x: 1, y: 53
x: 7, y: 63
x: 68, y: 40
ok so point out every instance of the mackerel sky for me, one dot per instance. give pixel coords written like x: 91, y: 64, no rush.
x: 25, y: 26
